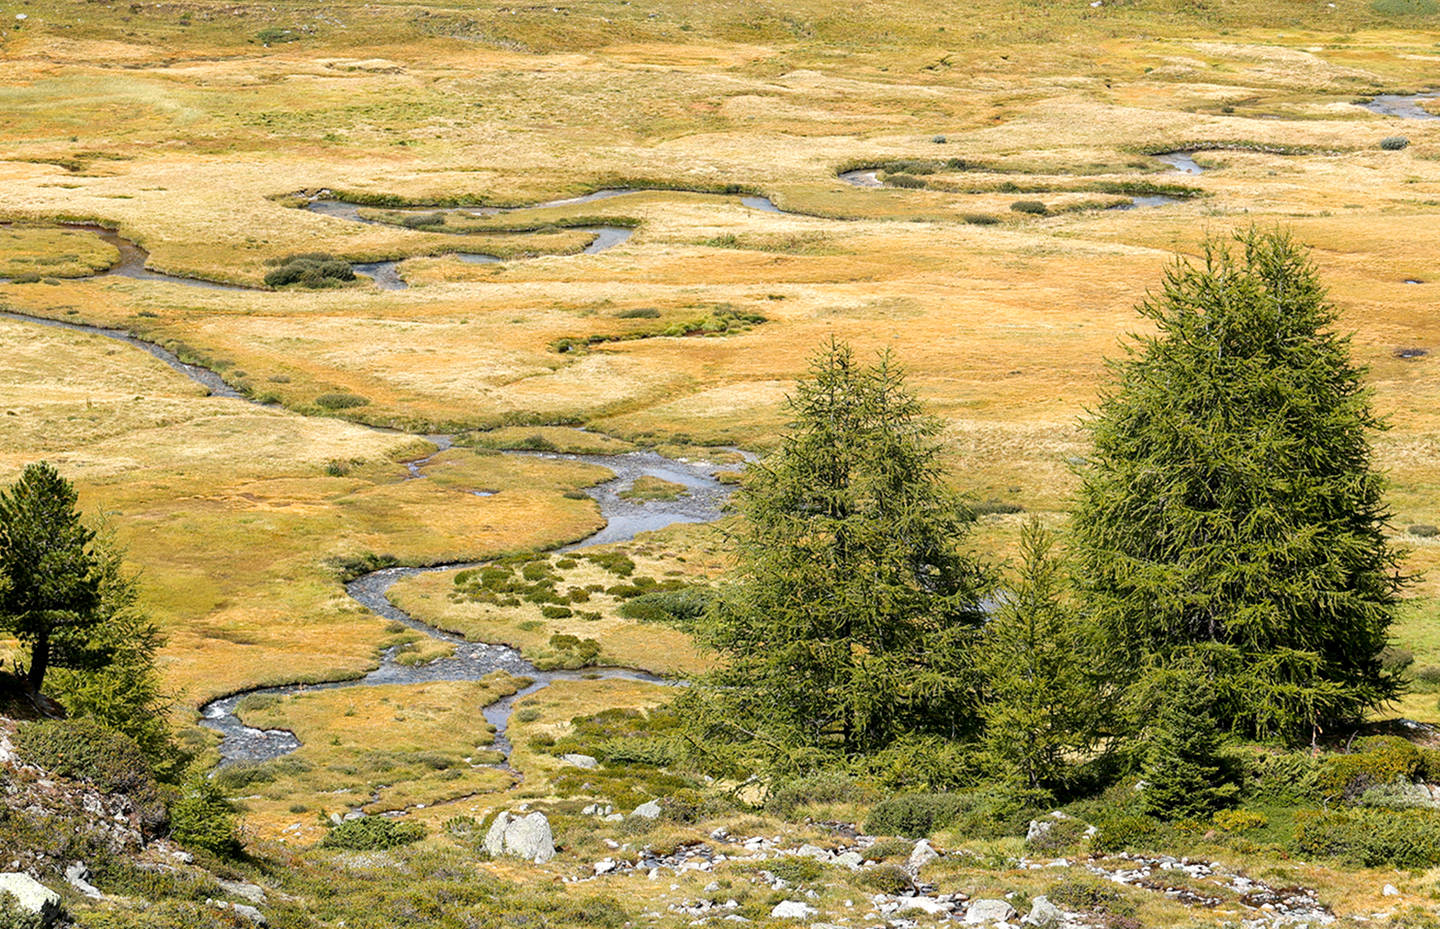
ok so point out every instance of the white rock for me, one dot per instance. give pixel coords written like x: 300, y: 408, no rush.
x: 921, y: 855
x: 580, y: 761
x: 647, y: 810
x: 612, y: 818
x: 792, y: 909
x: 252, y: 892
x: 812, y: 851
x: 527, y: 837
x: 1039, y: 829
x: 32, y: 896
x: 987, y: 912
x: 1390, y: 890
x: 850, y: 860
x: 605, y: 866
x: 78, y: 876
x: 925, y: 905
x: 1043, y: 913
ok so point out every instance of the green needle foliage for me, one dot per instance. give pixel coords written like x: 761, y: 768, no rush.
x: 1042, y: 705
x: 1185, y: 776
x: 1230, y: 517
x: 852, y: 614
x: 49, y: 582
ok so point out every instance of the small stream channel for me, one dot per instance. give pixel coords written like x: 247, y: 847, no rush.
x: 1402, y: 106
x: 703, y: 502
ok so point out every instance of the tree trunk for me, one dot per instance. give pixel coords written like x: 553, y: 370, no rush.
x: 39, y: 661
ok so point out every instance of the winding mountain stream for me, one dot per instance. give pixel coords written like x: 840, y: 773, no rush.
x: 703, y: 502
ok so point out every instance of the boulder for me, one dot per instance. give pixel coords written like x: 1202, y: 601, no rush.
x: 647, y: 810
x: 77, y: 875
x: 527, y: 837
x: 792, y: 909
x: 926, y: 905
x: 1390, y: 890
x: 1043, y: 914
x: 922, y: 855
x: 31, y: 896
x: 812, y: 851
x: 580, y: 761
x: 989, y: 912
x: 254, y: 893
x: 850, y: 860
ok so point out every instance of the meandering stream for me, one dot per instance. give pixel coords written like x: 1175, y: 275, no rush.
x: 703, y: 502
x: 1402, y: 106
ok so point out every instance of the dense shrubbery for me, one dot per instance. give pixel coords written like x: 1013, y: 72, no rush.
x: 1394, y: 143
x: 975, y: 813
x: 201, y: 817
x: 340, y: 401
x: 1372, y: 838
x: 1034, y: 207
x: 682, y: 608
x: 84, y: 749
x: 373, y: 833
x: 312, y: 269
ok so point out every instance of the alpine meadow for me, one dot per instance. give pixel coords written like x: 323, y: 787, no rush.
x: 639, y: 464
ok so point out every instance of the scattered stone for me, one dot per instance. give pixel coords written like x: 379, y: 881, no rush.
x: 605, y: 866
x: 587, y: 762
x: 1390, y: 890
x: 613, y: 818
x: 987, y: 912
x: 1039, y: 829
x: 647, y: 810
x: 925, y: 905
x: 243, y: 911
x: 922, y: 855
x: 1043, y: 914
x: 527, y: 837
x: 183, y: 857
x: 850, y: 860
x: 812, y: 851
x: 792, y: 909
x: 32, y: 896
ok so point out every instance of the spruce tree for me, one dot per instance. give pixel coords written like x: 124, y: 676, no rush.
x: 1230, y: 515
x: 1041, y: 708
x: 1184, y: 775
x: 851, y: 614
x: 49, y: 584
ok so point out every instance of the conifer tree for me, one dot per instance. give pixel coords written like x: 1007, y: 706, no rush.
x: 1041, y: 708
x: 49, y: 585
x: 1230, y: 515
x: 851, y: 615
x: 1184, y: 775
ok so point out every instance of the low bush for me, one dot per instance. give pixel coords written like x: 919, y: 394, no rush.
x: 915, y: 815
x: 84, y: 749
x: 1289, y: 777
x: 1424, y: 531
x: 339, y: 401
x: 682, y: 608
x: 690, y: 806
x: 906, y: 181
x: 892, y: 879
x: 314, y: 270
x: 1237, y: 821
x: 202, y: 818
x: 792, y: 796
x: 1394, y: 143
x: 980, y: 219
x: 373, y: 833
x: 15, y: 916
x: 1372, y: 838
x: 1372, y: 761
x: 1034, y: 207
x: 1060, y: 836
x: 643, y: 312
x: 1125, y: 832
x: 1090, y: 894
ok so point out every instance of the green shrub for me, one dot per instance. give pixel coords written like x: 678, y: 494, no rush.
x: 980, y: 219
x: 1424, y: 531
x: 682, y: 607
x: 1062, y: 834
x: 1237, y: 821
x: 1394, y: 143
x: 915, y: 815
x: 890, y: 879
x: 14, y: 916
x: 1090, y: 894
x: 992, y: 506
x: 339, y: 401
x: 616, y: 563
x: 1034, y: 207
x: 1396, y: 660
x: 643, y: 312
x: 202, y: 818
x: 84, y: 749
x: 313, y: 270
x: 689, y: 806
x: 1372, y: 838
x: 1372, y: 761
x: 889, y: 848
x: 1289, y: 777
x: 556, y: 612
x: 792, y: 796
x: 1124, y: 832
x: 373, y: 833
x: 796, y: 870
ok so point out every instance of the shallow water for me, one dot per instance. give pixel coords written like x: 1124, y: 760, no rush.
x: 1147, y: 200
x: 1182, y: 161
x: 862, y: 177
x: 1402, y: 106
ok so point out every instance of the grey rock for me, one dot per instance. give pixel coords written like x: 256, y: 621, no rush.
x: 580, y: 761
x: 527, y: 837
x: 922, y: 855
x: 850, y: 860
x: 613, y: 818
x: 7, y: 751
x: 1390, y: 890
x: 1039, y: 829
x: 240, y: 909
x: 647, y: 810
x: 792, y: 909
x: 926, y: 905
x: 989, y: 912
x: 31, y: 895
x: 243, y: 889
x: 1043, y: 914
x: 77, y: 875
x: 812, y: 851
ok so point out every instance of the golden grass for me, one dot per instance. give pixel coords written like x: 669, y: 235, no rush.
x: 384, y: 748
x: 53, y: 253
